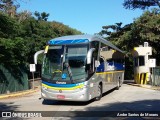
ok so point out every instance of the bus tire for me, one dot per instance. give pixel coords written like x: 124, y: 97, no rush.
x: 118, y: 85
x: 99, y: 93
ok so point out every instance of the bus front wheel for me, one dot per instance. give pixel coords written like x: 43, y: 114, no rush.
x: 99, y: 96
x: 118, y: 85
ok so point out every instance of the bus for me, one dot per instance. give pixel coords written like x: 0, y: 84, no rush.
x: 80, y: 68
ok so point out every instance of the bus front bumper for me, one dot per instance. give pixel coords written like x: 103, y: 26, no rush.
x: 66, y: 95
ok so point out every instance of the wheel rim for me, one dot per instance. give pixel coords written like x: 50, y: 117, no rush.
x: 118, y: 83
x: 99, y: 91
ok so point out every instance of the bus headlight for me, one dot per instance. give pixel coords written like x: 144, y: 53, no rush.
x: 43, y: 95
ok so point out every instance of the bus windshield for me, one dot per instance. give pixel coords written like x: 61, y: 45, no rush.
x: 65, y: 62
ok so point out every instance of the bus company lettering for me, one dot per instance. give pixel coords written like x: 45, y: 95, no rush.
x: 60, y: 82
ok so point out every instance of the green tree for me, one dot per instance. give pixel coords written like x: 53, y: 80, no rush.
x: 141, y: 4
x: 146, y: 28
x: 9, y: 7
x: 9, y: 27
x: 44, y: 16
x: 23, y: 35
x: 111, y: 29
x: 21, y: 16
x: 41, y: 16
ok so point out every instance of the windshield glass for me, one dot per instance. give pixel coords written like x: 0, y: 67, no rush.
x: 65, y: 63
x: 75, y: 57
x: 52, y: 61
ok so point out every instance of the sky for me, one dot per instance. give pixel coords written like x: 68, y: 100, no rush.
x: 87, y: 16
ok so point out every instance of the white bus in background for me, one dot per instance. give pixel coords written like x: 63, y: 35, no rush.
x: 80, y: 68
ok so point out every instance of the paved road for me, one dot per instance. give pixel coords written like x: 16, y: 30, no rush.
x: 127, y: 100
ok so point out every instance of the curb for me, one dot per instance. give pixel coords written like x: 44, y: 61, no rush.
x: 19, y: 93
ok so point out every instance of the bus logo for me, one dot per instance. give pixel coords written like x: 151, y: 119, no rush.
x: 60, y: 91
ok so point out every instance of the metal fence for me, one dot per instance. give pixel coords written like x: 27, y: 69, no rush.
x: 156, y: 76
x: 12, y: 79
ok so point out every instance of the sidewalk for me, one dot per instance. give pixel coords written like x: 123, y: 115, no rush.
x: 131, y: 82
x: 19, y: 93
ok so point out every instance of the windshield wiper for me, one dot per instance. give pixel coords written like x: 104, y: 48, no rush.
x: 69, y: 72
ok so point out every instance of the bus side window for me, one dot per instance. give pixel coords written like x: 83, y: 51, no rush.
x: 95, y: 44
x: 101, y: 67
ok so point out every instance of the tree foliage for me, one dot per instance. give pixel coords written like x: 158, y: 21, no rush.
x: 22, y: 35
x: 146, y: 28
x: 142, y: 4
x: 41, y: 16
x: 111, y: 29
x: 8, y: 26
x: 9, y: 7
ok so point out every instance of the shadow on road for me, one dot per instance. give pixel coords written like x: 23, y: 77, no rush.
x: 148, y: 108
x: 65, y: 103
x: 8, y: 107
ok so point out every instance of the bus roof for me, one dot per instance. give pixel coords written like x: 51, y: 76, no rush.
x: 82, y: 39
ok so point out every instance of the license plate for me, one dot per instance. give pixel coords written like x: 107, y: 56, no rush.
x: 60, y: 96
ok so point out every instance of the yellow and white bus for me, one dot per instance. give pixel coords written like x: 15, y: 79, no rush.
x: 80, y: 68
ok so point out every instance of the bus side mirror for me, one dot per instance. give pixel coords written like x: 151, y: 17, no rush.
x: 89, y: 55
x: 36, y: 55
